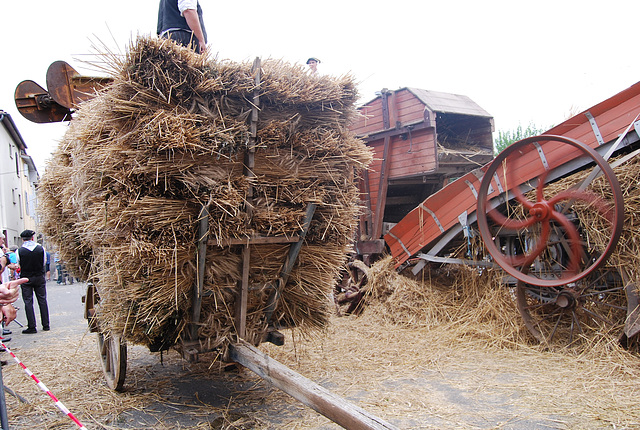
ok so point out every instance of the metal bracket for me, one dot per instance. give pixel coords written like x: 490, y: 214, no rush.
x: 543, y: 157
x: 433, y: 215
x: 400, y: 242
x: 478, y: 174
x: 498, y: 183
x: 473, y: 189
x: 463, y: 222
x: 594, y: 126
x: 450, y: 260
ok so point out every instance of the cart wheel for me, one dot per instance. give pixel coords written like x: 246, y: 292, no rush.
x: 91, y: 298
x: 113, y: 354
x: 595, y: 305
x: 355, y: 289
x: 549, y: 248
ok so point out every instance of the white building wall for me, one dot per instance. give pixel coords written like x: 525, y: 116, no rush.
x: 18, y: 178
x: 11, y: 189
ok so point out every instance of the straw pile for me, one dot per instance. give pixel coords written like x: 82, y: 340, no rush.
x: 121, y: 195
x: 626, y: 255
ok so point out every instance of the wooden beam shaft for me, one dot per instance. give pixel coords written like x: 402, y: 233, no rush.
x: 203, y: 235
x: 260, y: 240
x: 243, y: 294
x: 383, y: 185
x: 249, y: 163
x: 318, y: 398
x: 366, y: 219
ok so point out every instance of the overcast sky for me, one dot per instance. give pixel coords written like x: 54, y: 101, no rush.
x: 523, y: 62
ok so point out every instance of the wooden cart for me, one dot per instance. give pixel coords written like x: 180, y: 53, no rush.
x: 66, y: 90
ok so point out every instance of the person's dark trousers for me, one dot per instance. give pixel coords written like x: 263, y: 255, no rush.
x: 184, y: 38
x: 38, y: 286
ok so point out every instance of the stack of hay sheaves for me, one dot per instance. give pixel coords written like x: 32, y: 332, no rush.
x: 121, y: 195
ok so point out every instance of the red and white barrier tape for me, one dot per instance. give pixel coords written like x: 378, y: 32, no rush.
x: 44, y: 388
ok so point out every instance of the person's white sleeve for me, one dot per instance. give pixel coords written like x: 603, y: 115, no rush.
x: 187, y: 4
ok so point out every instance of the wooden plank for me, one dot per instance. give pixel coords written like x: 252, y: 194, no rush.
x: 393, y: 110
x: 243, y: 294
x: 366, y: 219
x: 203, y: 235
x: 382, y: 190
x: 260, y: 240
x: 318, y: 398
x: 410, y: 108
x: 249, y: 164
x: 370, y: 120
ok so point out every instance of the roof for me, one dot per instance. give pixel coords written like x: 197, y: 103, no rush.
x: 11, y: 128
x: 449, y: 103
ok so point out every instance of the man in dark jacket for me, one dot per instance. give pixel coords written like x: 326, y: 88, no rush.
x: 31, y: 258
x: 181, y: 20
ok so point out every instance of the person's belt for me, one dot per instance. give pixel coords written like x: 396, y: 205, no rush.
x: 173, y: 30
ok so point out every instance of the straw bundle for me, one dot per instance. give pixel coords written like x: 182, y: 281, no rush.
x: 122, y: 193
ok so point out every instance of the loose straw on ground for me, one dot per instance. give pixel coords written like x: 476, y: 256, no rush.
x: 44, y: 388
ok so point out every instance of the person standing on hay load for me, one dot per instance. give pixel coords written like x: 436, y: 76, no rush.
x: 313, y: 65
x: 32, y: 259
x: 181, y: 21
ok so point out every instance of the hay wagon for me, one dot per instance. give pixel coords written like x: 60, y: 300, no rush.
x: 200, y: 288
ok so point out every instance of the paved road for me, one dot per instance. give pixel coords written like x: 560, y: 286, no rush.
x: 65, y: 313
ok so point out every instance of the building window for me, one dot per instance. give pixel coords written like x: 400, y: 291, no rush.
x: 26, y: 203
x: 17, y: 166
x: 13, y: 195
x: 20, y: 201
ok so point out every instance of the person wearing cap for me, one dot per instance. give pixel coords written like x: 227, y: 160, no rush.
x: 32, y: 259
x: 181, y: 21
x: 313, y: 65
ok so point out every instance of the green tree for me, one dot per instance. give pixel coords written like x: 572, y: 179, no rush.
x: 507, y: 137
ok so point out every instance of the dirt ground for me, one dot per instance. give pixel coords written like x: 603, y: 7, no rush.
x: 414, y: 376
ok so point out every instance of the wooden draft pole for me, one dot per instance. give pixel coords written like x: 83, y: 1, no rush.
x: 318, y: 398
